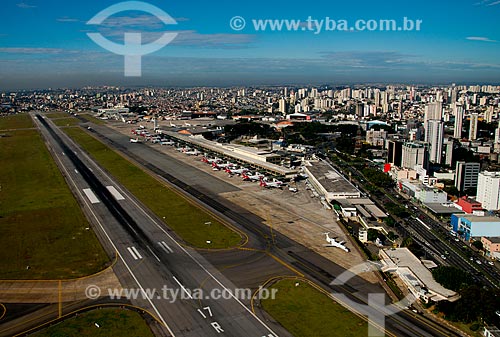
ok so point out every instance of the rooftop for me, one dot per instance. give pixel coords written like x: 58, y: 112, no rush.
x: 403, y: 258
x: 331, y: 180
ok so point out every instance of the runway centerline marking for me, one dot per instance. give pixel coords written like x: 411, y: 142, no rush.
x: 165, y: 247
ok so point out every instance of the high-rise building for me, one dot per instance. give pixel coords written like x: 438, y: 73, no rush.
x: 414, y: 154
x: 449, y: 153
x: 433, y: 110
x: 473, y: 126
x: 488, y: 190
x: 434, y: 135
x: 466, y: 175
x: 459, y: 118
x: 282, y: 106
x: 394, y: 152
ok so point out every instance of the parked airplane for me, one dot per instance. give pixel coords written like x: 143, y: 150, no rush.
x: 210, y: 161
x: 183, y: 149
x: 271, y: 184
x: 218, y: 166
x: 249, y: 177
x: 334, y: 243
x: 192, y: 153
x: 238, y: 172
x: 171, y: 143
x: 132, y: 140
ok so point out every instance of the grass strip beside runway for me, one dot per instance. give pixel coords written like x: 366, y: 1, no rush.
x: 111, y: 322
x: 43, y: 230
x: 306, y: 312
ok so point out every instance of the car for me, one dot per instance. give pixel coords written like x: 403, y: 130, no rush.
x: 443, y: 257
x: 478, y: 262
x: 491, y: 263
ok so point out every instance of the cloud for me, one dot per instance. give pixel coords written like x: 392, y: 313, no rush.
x: 367, y: 59
x: 224, y: 40
x: 480, y: 38
x: 139, y: 21
x: 25, y: 5
x: 35, y: 51
x: 487, y: 3
x: 67, y: 19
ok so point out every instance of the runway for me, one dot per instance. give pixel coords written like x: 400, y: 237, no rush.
x: 151, y: 259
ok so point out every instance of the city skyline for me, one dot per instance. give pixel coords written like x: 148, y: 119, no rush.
x: 455, y: 44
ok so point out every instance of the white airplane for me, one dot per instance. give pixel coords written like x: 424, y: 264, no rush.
x: 249, y: 177
x: 271, y: 184
x: 192, y: 153
x: 210, y: 161
x: 171, y: 143
x: 132, y: 140
x: 334, y: 243
x: 218, y: 166
x: 238, y: 172
x: 183, y: 149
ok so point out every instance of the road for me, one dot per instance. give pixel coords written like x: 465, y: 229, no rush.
x: 317, y: 268
x: 150, y: 258
x: 434, y: 237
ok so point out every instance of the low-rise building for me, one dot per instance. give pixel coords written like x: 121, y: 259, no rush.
x: 472, y: 226
x: 469, y: 205
x: 329, y: 182
x: 417, y: 278
x: 491, y: 246
x: 423, y: 193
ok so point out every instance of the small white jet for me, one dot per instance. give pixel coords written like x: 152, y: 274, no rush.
x: 334, y: 243
x: 136, y: 140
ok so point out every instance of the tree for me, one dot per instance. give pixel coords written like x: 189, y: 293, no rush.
x: 389, y: 221
x: 407, y: 242
x: 478, y: 244
x: 392, y: 236
x: 452, y: 277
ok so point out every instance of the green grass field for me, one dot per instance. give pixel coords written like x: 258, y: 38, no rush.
x: 112, y: 322
x: 21, y: 121
x: 57, y: 114
x: 91, y: 119
x: 41, y: 224
x: 186, y: 219
x: 306, y: 312
x: 67, y: 121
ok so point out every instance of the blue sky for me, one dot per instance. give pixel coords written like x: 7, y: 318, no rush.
x: 45, y: 44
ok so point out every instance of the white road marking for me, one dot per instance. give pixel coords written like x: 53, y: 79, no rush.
x: 151, y: 251
x: 182, y: 287
x: 93, y: 199
x: 115, y: 193
x: 165, y: 247
x: 135, y: 254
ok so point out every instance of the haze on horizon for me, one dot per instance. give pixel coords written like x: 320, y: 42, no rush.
x: 44, y: 44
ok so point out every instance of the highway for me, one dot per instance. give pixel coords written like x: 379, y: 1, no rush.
x: 309, y: 263
x: 150, y: 258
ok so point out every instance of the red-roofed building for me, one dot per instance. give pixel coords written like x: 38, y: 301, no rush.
x: 469, y: 205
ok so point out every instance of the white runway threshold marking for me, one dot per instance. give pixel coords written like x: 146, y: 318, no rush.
x: 135, y: 254
x: 115, y: 193
x: 93, y: 199
x: 165, y: 247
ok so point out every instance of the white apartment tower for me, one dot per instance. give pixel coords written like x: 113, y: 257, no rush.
x: 488, y: 190
x: 473, y: 126
x: 459, y: 118
x: 434, y: 135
